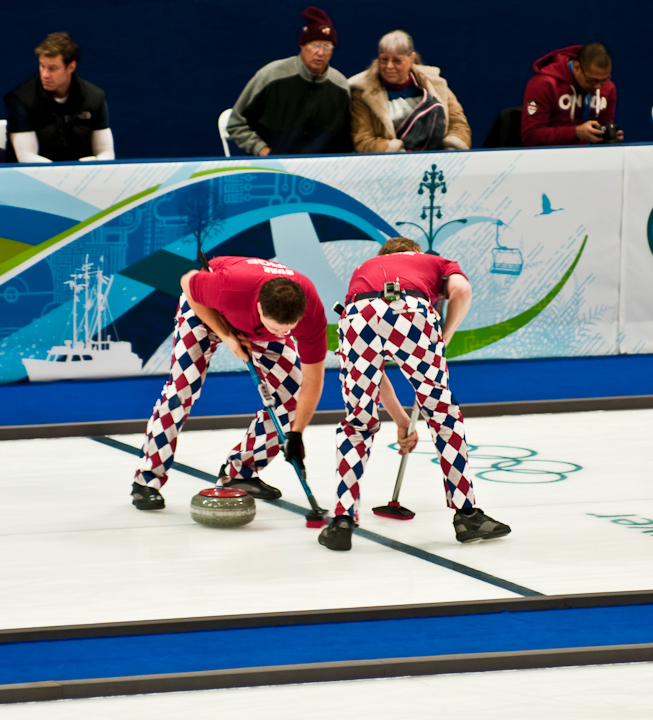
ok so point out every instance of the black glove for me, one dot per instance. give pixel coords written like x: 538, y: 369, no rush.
x: 293, y: 448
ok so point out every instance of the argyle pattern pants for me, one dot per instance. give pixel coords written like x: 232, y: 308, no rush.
x: 407, y: 330
x: 277, y: 364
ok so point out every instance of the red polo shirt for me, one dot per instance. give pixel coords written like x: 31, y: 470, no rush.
x: 417, y: 271
x: 233, y: 288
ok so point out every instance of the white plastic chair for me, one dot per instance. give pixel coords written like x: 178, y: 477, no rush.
x: 3, y: 134
x: 222, y: 129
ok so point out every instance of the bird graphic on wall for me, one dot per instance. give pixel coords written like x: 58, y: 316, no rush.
x: 546, y: 206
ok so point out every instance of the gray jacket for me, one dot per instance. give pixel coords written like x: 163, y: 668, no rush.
x: 287, y: 108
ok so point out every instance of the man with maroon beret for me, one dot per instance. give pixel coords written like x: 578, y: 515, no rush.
x: 299, y: 105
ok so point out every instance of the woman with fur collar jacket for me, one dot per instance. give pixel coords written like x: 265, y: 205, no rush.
x: 375, y: 116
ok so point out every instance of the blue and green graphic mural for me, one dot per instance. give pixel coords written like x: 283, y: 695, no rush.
x: 91, y: 257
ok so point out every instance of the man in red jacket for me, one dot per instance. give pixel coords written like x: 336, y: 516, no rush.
x: 570, y: 98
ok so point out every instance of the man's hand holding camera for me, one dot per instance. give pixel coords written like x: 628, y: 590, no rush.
x: 593, y: 132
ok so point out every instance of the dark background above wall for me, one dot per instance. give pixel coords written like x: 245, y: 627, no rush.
x: 169, y: 68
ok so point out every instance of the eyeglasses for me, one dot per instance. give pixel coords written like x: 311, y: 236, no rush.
x: 394, y: 59
x: 324, y: 46
x: 594, y: 81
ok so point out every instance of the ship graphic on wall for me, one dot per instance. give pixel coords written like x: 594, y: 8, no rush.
x: 91, y: 353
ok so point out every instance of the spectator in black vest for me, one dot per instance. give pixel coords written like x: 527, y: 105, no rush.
x: 57, y: 115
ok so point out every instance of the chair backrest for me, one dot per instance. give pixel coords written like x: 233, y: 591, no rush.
x: 506, y: 131
x: 222, y: 129
x: 3, y: 134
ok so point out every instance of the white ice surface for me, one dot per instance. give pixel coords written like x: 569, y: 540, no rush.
x: 74, y: 550
x: 606, y: 692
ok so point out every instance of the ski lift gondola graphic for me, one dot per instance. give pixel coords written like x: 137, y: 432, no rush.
x: 505, y: 260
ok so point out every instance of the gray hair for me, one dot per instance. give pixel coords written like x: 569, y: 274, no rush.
x: 397, y: 42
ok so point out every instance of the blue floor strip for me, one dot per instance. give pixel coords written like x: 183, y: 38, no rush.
x: 490, y: 381
x: 372, y: 536
x: 60, y: 660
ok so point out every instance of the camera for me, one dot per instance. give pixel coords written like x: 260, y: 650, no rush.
x: 609, y: 133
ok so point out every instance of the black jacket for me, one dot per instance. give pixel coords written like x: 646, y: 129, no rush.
x: 63, y: 130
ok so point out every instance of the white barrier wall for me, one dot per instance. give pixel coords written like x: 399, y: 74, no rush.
x: 636, y: 289
x: 556, y: 242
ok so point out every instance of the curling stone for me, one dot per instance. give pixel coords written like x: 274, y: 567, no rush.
x: 222, y: 507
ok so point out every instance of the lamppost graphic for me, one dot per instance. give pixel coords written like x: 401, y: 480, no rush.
x: 432, y: 181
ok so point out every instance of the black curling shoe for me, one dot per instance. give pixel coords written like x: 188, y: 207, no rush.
x: 254, y: 486
x: 478, y: 526
x: 145, y: 497
x: 337, y: 535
